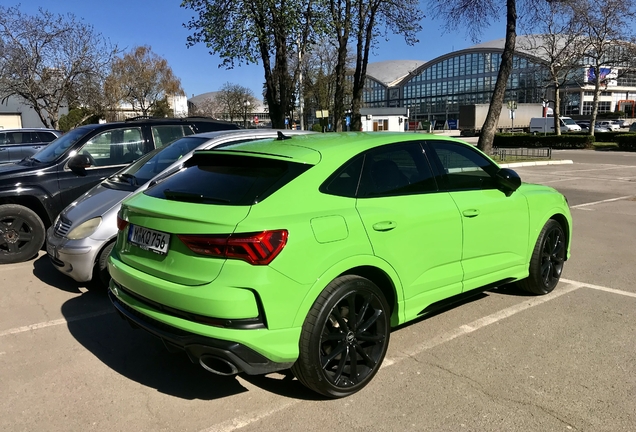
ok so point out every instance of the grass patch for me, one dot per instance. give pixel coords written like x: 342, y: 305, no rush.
x: 605, y: 146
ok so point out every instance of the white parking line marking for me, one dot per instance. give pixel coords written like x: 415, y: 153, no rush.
x: 241, y: 422
x: 488, y: 320
x: 561, y: 180
x: 602, y: 201
x: 246, y: 420
x: 607, y: 167
x: 602, y: 288
x: 53, y: 323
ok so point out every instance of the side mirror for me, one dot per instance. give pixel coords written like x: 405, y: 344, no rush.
x: 79, y: 163
x: 508, y: 180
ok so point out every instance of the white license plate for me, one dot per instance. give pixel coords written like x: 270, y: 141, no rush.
x: 155, y: 241
x: 50, y: 249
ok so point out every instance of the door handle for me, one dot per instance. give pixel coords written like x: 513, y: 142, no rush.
x: 470, y: 213
x: 384, y: 226
x: 36, y: 147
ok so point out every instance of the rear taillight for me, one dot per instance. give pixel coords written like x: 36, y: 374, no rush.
x: 255, y: 248
x: 121, y: 223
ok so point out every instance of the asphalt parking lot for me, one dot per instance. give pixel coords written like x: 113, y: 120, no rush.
x: 503, y: 361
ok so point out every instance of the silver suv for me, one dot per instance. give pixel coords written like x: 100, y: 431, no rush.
x: 17, y: 144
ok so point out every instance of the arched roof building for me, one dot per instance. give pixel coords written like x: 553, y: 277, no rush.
x: 436, y: 88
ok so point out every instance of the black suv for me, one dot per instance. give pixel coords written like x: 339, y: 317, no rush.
x: 16, y: 144
x: 36, y: 189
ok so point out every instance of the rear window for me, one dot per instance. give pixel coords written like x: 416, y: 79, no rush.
x: 223, y: 179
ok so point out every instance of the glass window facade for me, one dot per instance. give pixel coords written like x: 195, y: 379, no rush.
x: 440, y: 88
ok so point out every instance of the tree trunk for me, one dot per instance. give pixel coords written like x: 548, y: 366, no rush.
x: 597, y: 91
x: 490, y: 125
x: 557, y: 110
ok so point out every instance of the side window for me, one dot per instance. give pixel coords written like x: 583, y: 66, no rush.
x: 44, y: 136
x: 165, y: 134
x: 344, y: 182
x: 465, y: 168
x: 17, y: 138
x: 397, y: 169
x: 115, y: 147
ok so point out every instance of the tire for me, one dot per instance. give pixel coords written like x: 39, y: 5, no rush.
x: 101, y: 277
x: 546, y: 264
x: 329, y: 337
x: 21, y: 233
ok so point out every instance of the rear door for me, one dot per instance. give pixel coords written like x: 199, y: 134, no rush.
x: 27, y: 146
x: 4, y: 148
x: 411, y: 224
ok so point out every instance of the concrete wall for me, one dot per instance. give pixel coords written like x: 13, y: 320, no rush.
x: 13, y: 107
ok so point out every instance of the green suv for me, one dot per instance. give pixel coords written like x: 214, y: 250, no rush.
x: 304, y: 252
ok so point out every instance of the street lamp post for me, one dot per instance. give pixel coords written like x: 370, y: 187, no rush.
x: 246, y: 105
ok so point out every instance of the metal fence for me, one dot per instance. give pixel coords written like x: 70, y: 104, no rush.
x: 513, y: 154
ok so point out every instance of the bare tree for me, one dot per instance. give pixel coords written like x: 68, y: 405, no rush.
x: 51, y: 62
x: 143, y: 79
x: 607, y: 30
x: 474, y: 16
x: 271, y: 32
x: 362, y: 22
x: 235, y: 101
x: 319, y: 71
x: 208, y: 108
x: 558, y: 43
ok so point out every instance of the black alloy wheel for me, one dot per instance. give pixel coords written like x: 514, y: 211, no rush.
x: 21, y: 233
x: 546, y: 264
x: 345, y: 338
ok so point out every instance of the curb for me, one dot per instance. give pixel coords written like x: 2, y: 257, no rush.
x: 537, y: 163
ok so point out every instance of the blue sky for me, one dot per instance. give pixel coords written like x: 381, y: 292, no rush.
x: 158, y: 23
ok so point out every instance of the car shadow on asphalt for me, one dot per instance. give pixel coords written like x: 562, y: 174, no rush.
x: 141, y: 357
x: 44, y: 270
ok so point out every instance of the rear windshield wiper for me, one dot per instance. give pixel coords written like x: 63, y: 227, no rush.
x: 191, y: 197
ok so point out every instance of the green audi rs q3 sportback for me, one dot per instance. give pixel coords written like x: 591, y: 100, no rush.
x: 304, y: 252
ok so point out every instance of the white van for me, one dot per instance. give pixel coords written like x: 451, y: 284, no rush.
x: 546, y: 124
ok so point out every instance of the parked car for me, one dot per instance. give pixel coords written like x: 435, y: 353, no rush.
x: 81, y: 238
x: 598, y: 127
x: 612, y: 126
x: 584, y: 124
x: 632, y: 127
x: 17, y: 144
x: 546, y: 125
x: 35, y: 190
x: 304, y: 252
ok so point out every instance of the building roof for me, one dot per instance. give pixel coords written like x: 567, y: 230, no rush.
x: 391, y: 71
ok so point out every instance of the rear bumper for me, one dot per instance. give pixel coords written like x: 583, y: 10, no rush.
x: 244, y: 358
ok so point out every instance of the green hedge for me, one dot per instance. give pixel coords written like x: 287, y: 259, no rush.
x: 626, y: 142
x: 565, y: 141
x: 603, y: 136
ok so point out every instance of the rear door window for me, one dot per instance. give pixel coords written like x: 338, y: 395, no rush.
x: 396, y: 169
x: 224, y: 179
x: 42, y: 136
x: 165, y: 134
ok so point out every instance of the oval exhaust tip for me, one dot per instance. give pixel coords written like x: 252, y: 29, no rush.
x: 217, y: 365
